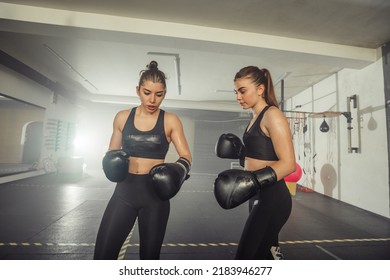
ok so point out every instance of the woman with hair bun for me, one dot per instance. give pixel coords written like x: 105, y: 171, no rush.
x: 135, y: 161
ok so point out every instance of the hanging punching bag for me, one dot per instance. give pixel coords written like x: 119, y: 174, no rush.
x: 324, y: 126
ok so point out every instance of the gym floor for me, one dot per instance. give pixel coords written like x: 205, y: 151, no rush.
x: 56, y: 218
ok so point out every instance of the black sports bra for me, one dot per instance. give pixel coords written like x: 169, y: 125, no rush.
x: 257, y: 144
x: 145, y: 144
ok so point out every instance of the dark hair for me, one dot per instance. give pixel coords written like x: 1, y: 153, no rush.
x: 260, y: 77
x: 152, y: 74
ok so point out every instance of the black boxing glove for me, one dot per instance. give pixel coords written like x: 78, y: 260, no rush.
x: 115, y: 165
x: 233, y: 187
x: 169, y: 177
x: 230, y: 146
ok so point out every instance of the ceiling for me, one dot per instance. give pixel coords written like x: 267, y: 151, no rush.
x: 96, y: 48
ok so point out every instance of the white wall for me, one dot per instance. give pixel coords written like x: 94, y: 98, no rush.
x: 362, y: 178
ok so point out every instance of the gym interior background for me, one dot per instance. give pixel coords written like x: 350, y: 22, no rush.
x: 46, y: 133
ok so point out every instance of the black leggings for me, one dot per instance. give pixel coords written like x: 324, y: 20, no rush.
x: 133, y: 198
x: 270, y: 210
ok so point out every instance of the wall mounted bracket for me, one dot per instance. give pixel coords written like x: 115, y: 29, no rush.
x: 348, y: 115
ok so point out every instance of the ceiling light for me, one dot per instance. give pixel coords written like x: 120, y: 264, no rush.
x: 224, y: 91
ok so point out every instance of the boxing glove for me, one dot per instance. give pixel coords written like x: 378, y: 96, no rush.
x: 230, y: 146
x: 115, y: 165
x: 233, y: 187
x: 168, y: 178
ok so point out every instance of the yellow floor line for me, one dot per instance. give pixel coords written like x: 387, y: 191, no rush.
x: 127, y: 243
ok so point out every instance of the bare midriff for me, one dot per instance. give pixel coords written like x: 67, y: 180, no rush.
x: 252, y: 164
x: 142, y: 165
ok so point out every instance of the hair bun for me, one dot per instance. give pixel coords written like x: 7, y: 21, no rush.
x: 152, y: 65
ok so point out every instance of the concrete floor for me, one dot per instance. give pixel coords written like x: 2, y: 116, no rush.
x: 56, y: 218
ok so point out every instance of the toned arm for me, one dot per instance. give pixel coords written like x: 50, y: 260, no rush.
x: 277, y: 126
x: 176, y: 134
x: 118, y: 124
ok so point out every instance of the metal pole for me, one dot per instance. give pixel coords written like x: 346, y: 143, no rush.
x: 349, y: 127
x: 282, y: 94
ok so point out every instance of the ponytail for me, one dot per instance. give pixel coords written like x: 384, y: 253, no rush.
x: 269, y: 94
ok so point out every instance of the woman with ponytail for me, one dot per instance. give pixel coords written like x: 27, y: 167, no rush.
x: 268, y: 146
